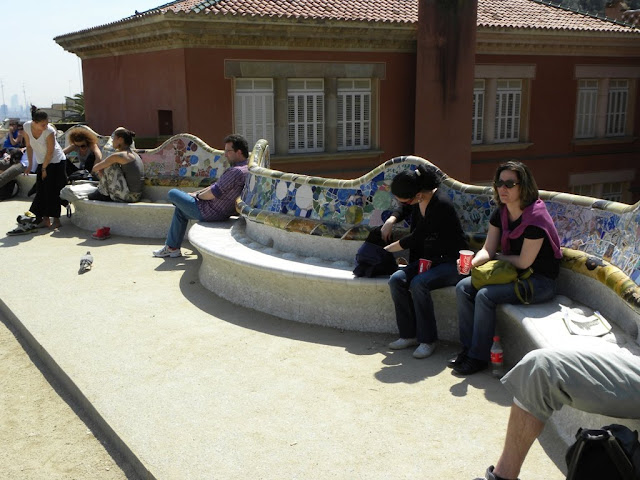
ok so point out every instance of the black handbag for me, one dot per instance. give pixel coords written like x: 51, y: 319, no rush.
x: 612, y: 453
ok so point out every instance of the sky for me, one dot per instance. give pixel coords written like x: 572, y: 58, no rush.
x: 36, y: 67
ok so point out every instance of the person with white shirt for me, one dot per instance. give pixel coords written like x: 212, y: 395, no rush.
x: 43, y: 148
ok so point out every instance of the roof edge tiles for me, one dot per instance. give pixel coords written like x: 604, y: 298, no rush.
x: 515, y: 14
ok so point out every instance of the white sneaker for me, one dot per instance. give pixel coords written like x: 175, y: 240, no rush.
x: 424, y: 350
x: 167, y: 252
x: 401, y: 343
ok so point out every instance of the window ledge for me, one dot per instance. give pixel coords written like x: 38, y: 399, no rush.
x: 603, y: 140
x: 325, y: 157
x: 496, y: 147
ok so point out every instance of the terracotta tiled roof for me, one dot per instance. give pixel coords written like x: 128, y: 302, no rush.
x: 528, y: 14
x: 539, y: 14
x: 393, y: 11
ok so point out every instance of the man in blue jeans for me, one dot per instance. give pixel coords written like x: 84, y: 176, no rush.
x: 214, y: 203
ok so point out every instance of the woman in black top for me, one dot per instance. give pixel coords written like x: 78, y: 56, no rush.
x: 436, y: 235
x: 523, y: 232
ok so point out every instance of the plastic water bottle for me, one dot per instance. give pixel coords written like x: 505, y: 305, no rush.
x: 496, y: 357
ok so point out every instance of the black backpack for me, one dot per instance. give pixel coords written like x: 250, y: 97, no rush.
x: 372, y: 259
x: 611, y: 453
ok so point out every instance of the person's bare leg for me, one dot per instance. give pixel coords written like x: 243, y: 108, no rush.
x: 522, y: 431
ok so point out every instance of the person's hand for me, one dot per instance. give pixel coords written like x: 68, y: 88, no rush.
x: 44, y: 173
x: 386, y: 231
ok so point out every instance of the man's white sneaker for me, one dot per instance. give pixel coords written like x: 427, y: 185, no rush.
x: 167, y: 252
x: 401, y: 343
x: 424, y: 350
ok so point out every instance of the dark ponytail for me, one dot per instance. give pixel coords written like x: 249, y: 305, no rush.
x: 125, y: 134
x: 407, y: 184
x: 38, y: 115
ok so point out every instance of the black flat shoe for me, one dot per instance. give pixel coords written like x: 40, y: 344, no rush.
x: 470, y: 366
x: 457, y: 359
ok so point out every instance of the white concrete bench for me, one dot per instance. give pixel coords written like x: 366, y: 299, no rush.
x: 289, y: 285
x: 322, y: 290
x: 149, y: 218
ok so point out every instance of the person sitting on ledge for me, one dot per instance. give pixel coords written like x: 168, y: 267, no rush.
x: 603, y: 382
x: 10, y: 169
x: 214, y: 203
x: 85, y: 143
x: 527, y: 237
x: 121, y: 172
x: 14, y: 138
x: 436, y: 236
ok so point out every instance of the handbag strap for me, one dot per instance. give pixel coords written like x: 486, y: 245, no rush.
x: 524, y: 287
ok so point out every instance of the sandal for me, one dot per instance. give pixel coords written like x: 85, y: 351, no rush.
x: 22, y: 230
x: 26, y: 219
x: 102, y: 233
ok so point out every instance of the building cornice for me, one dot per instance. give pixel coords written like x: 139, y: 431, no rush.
x: 174, y: 31
x: 180, y: 31
x: 504, y: 41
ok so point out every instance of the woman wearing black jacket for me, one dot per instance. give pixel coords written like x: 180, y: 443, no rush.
x: 435, y: 235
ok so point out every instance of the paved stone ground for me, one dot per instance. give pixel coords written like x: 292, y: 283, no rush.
x: 43, y: 432
x: 189, y: 386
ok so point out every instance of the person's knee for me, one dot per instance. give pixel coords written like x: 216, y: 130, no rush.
x: 420, y: 285
x: 483, y: 298
x: 173, y: 194
x: 397, y: 280
x: 463, y: 290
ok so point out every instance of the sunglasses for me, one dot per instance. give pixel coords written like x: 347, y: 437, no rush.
x: 406, y: 202
x: 505, y: 183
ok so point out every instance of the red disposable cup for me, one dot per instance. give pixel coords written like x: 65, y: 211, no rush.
x: 424, y: 265
x: 465, y: 261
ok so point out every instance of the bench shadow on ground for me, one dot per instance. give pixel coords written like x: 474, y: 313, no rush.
x: 397, y: 366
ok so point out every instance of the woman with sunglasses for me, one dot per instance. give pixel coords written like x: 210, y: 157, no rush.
x: 523, y: 231
x: 435, y: 235
x: 85, y: 144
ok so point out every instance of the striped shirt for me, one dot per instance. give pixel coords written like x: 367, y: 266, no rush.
x: 228, y: 187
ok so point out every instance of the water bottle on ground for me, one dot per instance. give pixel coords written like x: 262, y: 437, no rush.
x: 496, y: 358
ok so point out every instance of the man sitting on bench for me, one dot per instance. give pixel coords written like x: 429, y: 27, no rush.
x: 214, y: 203
x: 595, y: 381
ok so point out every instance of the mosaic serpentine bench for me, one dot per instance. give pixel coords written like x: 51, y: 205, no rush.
x: 298, y: 236
x: 183, y: 161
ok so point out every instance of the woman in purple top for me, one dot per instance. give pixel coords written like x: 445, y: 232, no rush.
x: 524, y: 230
x: 215, y: 203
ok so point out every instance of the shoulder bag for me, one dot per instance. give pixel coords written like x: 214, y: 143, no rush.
x: 498, y: 272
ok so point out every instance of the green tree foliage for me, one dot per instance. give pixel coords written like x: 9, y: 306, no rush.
x: 75, y: 105
x: 594, y: 6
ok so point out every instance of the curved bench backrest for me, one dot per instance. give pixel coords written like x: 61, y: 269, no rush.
x: 606, y: 231
x: 183, y: 160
